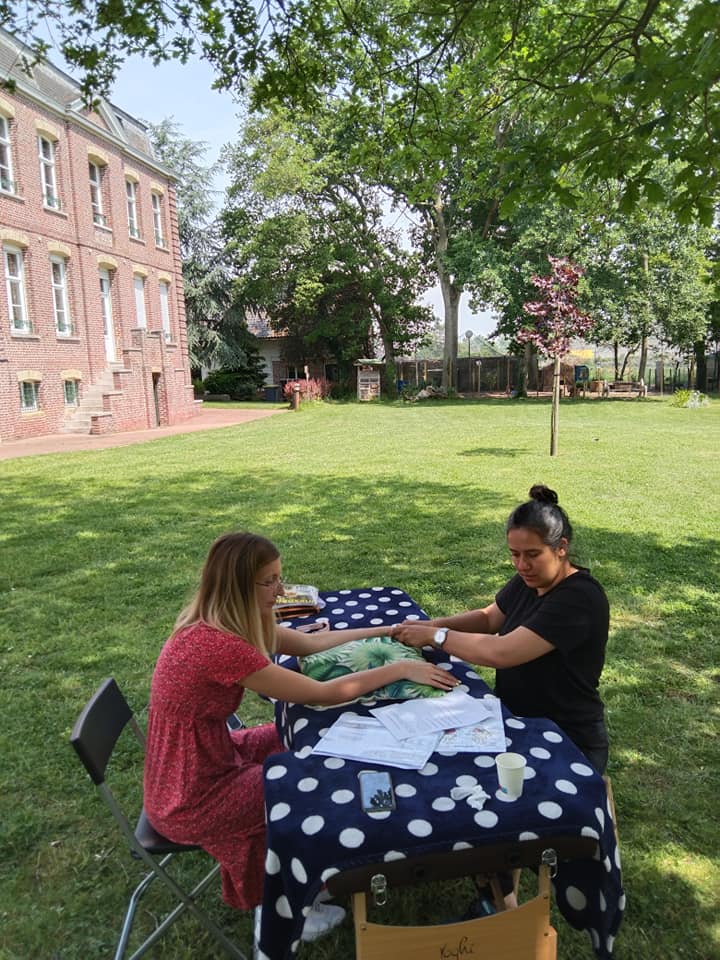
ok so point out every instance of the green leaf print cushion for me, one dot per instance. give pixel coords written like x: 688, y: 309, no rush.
x: 357, y: 655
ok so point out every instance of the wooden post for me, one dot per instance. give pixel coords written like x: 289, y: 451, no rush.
x: 555, y: 408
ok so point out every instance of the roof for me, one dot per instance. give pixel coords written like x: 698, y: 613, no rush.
x: 259, y: 325
x: 59, y: 92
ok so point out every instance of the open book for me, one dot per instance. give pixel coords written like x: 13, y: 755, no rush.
x: 298, y: 598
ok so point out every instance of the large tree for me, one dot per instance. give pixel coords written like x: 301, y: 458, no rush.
x: 439, y: 91
x: 612, y: 86
x: 311, y: 245
x: 217, y: 329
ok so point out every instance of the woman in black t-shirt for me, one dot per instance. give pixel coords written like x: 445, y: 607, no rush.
x: 545, y: 634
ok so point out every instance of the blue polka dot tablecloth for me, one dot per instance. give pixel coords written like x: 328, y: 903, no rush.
x: 316, y: 827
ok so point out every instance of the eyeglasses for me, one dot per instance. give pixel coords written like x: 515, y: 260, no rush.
x: 275, y: 582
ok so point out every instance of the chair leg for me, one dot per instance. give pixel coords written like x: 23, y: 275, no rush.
x: 187, y: 903
x: 130, y: 913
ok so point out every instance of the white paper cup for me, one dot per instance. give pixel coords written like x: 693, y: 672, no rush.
x: 511, y: 773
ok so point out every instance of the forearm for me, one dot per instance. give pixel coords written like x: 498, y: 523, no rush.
x: 355, y: 685
x: 297, y: 644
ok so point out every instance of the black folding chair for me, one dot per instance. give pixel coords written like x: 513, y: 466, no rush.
x: 94, y: 737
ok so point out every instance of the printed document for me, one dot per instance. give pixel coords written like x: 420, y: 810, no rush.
x: 414, y: 718
x: 487, y: 736
x: 365, y: 738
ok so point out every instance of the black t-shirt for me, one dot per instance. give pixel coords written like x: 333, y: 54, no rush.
x: 574, y: 617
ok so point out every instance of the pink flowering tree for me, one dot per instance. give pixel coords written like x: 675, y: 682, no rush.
x: 554, y: 320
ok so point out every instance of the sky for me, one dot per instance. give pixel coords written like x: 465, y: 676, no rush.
x: 184, y: 92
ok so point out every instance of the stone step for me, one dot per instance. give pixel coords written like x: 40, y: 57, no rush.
x: 76, y: 426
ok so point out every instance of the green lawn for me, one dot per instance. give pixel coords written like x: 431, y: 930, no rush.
x: 100, y: 549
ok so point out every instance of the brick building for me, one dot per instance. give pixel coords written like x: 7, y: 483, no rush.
x: 92, y: 316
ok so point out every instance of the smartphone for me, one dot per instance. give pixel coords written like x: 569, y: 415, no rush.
x: 376, y: 791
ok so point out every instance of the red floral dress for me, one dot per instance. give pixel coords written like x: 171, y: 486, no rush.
x: 203, y: 784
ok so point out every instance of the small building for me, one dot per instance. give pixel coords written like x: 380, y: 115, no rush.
x: 276, y: 350
x: 92, y: 316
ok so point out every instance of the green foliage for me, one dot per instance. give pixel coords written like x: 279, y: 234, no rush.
x: 234, y: 383
x: 691, y: 399
x: 217, y: 330
x: 309, y: 244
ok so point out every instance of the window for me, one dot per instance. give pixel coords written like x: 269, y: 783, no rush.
x: 107, y: 314
x: 58, y: 278
x: 7, y: 184
x: 29, y: 396
x: 15, y: 287
x: 48, y: 179
x: 95, y: 173
x: 158, y: 220
x: 72, y: 393
x: 140, y: 300
x: 132, y: 209
x: 165, y: 309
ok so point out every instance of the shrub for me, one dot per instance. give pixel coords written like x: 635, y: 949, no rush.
x: 689, y: 399
x: 236, y: 385
x: 309, y: 389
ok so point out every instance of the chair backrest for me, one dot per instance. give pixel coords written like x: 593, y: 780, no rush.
x: 98, y: 728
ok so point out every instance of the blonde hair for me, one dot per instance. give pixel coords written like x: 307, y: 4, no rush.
x: 227, y: 595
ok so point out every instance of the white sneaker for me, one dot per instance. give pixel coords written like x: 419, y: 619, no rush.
x: 323, y: 918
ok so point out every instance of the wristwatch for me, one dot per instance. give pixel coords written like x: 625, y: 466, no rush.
x: 440, y: 636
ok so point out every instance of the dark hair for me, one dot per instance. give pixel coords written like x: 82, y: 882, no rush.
x: 542, y: 514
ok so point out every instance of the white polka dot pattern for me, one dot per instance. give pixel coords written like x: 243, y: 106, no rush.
x: 315, y: 824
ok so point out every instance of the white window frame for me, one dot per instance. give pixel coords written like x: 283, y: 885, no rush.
x: 48, y: 176
x: 74, y: 399
x: 132, y: 209
x: 164, y: 288
x: 15, y: 289
x: 106, y: 308
x: 61, y: 303
x: 34, y: 391
x: 7, y: 184
x: 95, y: 176
x: 157, y: 213
x: 140, y: 310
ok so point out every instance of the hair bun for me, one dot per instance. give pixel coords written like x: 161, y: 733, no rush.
x: 543, y: 494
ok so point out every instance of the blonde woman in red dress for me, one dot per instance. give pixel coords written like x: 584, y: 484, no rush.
x: 203, y: 783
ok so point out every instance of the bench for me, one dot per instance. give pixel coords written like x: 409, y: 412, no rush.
x: 624, y: 386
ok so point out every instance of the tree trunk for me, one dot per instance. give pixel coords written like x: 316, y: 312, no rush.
x: 642, y: 363
x: 555, y: 408
x: 700, y: 366
x: 451, y: 302
x: 530, y: 378
x: 450, y: 293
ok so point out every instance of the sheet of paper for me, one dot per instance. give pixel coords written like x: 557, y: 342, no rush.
x: 487, y: 736
x: 364, y: 738
x: 414, y: 718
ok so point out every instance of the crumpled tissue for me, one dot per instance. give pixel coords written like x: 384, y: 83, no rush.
x: 475, y: 796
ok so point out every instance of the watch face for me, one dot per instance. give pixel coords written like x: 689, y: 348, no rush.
x: 440, y: 636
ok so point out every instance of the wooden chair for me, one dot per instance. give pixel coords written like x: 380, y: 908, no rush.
x: 524, y: 933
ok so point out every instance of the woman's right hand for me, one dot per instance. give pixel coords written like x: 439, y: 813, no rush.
x: 429, y: 673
